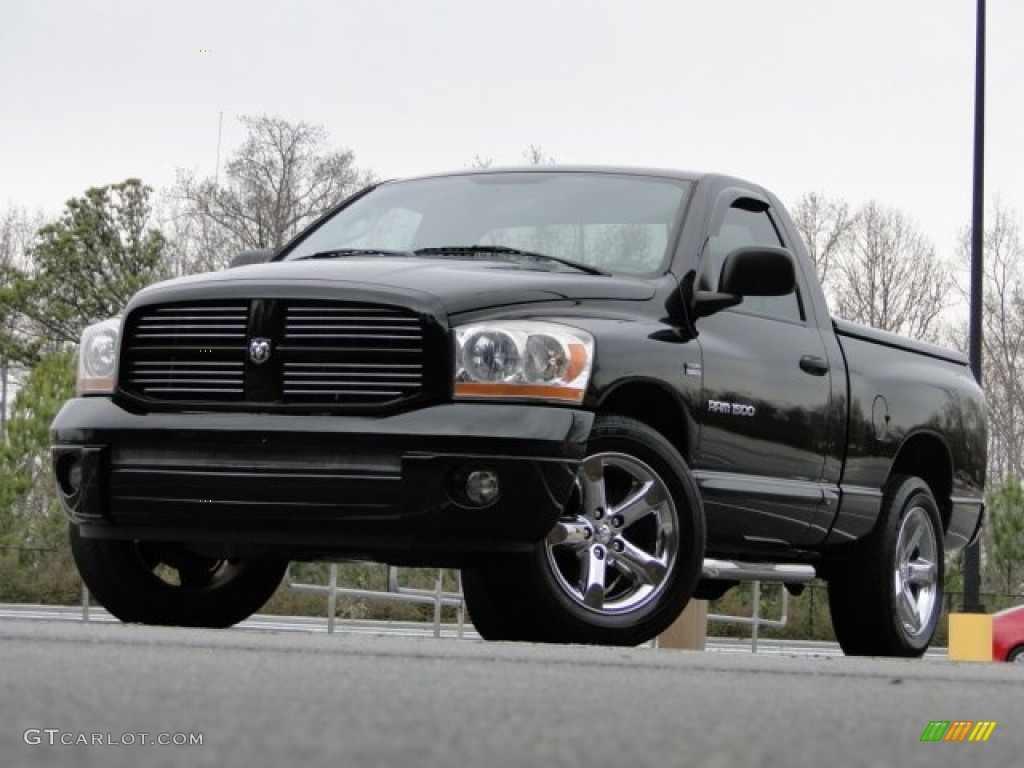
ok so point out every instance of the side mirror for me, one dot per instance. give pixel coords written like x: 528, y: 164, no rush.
x: 258, y: 256
x: 756, y: 270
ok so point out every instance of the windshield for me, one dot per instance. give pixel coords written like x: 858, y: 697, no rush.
x: 615, y: 222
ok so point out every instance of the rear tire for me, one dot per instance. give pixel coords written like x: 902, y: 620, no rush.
x: 166, y: 584
x: 886, y: 600
x: 621, y: 563
x: 1016, y: 655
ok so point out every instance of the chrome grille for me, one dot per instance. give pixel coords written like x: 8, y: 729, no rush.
x: 323, y: 353
x: 183, y: 324
x: 187, y: 351
x: 357, y: 354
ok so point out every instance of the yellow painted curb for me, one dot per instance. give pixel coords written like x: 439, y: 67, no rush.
x: 970, y: 637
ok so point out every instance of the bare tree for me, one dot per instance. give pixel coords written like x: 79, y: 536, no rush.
x: 826, y: 225
x: 17, y: 229
x: 534, y: 155
x: 282, y: 177
x: 889, y: 277
x: 195, y: 243
x: 1003, y: 340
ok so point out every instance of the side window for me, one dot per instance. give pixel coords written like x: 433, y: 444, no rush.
x: 739, y: 228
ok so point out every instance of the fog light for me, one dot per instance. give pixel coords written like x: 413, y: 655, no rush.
x: 69, y: 475
x: 482, y: 487
x: 75, y: 476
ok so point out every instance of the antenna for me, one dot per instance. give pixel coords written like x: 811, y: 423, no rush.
x: 216, y: 170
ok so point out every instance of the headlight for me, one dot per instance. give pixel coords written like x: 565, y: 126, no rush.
x: 97, y: 357
x: 519, y: 359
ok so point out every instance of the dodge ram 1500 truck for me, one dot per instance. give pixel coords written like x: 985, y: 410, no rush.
x: 579, y: 385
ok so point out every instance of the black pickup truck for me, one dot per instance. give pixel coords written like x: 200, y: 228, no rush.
x: 599, y: 392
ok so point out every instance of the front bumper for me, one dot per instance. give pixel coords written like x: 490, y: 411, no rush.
x: 310, y: 486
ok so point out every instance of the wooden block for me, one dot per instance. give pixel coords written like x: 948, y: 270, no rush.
x: 690, y: 630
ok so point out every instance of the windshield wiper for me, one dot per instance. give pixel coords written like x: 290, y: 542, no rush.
x: 340, y: 253
x: 504, y: 250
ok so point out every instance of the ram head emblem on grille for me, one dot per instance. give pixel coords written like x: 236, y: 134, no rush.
x: 259, y: 351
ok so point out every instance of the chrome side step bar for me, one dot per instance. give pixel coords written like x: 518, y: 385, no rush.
x: 731, y: 570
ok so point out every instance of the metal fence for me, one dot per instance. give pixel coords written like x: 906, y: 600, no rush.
x: 755, y: 620
x: 439, y: 598
x: 761, y: 604
x: 394, y: 592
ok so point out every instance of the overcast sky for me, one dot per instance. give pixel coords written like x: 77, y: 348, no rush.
x: 864, y: 99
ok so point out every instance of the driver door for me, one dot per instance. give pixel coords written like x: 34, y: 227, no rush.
x: 764, y: 411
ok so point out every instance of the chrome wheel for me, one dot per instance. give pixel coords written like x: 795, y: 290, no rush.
x: 916, y: 574
x: 615, y: 550
x: 621, y: 561
x: 884, y: 592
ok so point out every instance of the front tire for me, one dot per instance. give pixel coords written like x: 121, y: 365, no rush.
x: 166, y: 584
x: 621, y: 563
x: 886, y: 600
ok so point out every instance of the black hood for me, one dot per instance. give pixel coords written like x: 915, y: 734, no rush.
x: 457, y: 285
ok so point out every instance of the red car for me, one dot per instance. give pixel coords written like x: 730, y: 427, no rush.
x: 1008, y: 635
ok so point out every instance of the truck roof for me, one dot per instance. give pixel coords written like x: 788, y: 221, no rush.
x: 626, y: 170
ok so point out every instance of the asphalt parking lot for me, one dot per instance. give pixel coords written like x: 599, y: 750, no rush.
x: 274, y: 697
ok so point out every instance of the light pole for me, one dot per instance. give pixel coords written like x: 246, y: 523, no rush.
x: 972, y: 557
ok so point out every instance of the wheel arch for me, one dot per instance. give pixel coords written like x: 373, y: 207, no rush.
x: 655, y: 405
x: 926, y: 455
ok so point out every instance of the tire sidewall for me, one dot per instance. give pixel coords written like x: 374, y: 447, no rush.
x: 910, y: 493
x: 115, y: 573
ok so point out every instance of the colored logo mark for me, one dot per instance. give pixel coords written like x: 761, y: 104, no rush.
x: 958, y: 730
